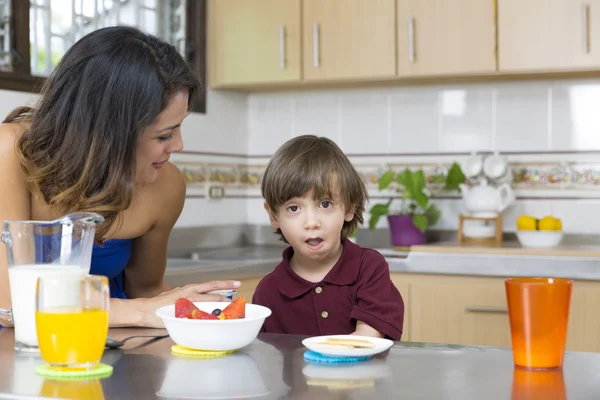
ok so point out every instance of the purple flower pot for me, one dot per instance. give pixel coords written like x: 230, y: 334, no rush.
x: 403, y: 232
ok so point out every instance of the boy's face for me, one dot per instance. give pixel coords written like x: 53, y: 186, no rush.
x: 312, y: 226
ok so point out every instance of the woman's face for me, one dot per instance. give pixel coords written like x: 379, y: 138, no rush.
x: 160, y: 139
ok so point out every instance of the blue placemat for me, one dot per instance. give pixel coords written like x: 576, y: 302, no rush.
x: 318, y: 358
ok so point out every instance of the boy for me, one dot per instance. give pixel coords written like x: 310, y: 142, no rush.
x: 325, y: 284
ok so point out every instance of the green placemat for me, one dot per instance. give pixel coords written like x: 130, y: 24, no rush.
x: 99, y: 371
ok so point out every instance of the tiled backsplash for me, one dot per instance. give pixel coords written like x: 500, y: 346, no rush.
x: 549, y: 131
x: 522, y: 116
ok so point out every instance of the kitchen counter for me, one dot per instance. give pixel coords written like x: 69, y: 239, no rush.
x: 512, y: 248
x: 272, y: 367
x: 440, y: 258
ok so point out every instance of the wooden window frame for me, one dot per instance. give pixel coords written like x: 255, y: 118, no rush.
x: 20, y: 79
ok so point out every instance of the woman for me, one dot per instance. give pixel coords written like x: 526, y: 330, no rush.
x: 99, y: 140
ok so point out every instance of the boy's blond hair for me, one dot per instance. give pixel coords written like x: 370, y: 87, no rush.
x: 307, y: 163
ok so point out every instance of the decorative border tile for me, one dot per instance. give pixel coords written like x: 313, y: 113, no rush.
x: 226, y: 174
x: 586, y: 175
x: 536, y: 177
x: 542, y: 176
x: 251, y: 175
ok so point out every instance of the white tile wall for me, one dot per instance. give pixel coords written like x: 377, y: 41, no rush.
x: 503, y: 116
x: 523, y: 116
x: 223, y: 129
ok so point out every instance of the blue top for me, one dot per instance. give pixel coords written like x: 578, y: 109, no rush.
x: 110, y: 260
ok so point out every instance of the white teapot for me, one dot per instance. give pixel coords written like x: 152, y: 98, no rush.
x: 486, y: 201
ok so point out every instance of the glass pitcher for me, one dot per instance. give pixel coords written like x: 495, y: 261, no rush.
x: 41, y: 248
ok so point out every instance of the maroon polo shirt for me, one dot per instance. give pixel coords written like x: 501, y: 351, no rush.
x: 358, y: 287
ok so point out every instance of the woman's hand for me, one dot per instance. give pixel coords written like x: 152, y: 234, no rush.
x: 142, y: 312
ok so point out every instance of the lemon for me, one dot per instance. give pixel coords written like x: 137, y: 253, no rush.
x: 526, y: 223
x: 558, y: 224
x: 548, y: 224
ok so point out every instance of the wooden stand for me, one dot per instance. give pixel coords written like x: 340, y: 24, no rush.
x: 496, y: 241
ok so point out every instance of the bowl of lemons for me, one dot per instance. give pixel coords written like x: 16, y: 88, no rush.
x: 539, y: 233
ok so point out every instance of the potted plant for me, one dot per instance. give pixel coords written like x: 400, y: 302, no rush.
x: 408, y: 223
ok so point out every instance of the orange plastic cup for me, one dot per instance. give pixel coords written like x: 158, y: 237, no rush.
x: 538, y: 311
x: 545, y: 385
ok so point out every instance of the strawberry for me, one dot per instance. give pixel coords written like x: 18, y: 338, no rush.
x: 236, y: 309
x: 199, y: 314
x: 184, y: 308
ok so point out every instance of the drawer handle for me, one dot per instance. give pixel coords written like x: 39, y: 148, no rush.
x: 316, y: 45
x: 282, y: 47
x: 486, y: 309
x: 411, y: 40
x: 585, y: 20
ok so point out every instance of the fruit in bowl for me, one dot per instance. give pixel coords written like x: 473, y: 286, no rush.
x: 539, y: 233
x: 184, y: 308
x: 213, y: 326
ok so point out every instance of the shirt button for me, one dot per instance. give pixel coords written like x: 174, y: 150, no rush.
x: 324, y: 314
x: 318, y: 289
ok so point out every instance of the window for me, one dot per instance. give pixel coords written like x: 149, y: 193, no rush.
x: 35, y: 34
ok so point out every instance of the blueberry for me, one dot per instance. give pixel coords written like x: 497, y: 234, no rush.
x: 217, y: 312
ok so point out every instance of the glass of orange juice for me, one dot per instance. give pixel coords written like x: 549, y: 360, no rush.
x: 72, y: 320
x: 90, y: 389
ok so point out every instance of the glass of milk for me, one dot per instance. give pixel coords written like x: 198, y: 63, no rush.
x: 41, y: 248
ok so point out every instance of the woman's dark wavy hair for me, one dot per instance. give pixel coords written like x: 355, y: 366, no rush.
x: 79, y: 149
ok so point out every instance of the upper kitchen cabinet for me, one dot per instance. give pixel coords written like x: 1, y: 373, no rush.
x: 548, y: 35
x: 348, y: 39
x: 446, y: 37
x: 253, y: 42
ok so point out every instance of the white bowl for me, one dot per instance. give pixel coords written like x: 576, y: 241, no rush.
x: 231, y: 377
x: 199, y: 334
x: 540, y: 239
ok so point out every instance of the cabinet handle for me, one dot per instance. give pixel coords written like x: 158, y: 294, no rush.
x: 282, y: 46
x: 585, y: 31
x: 486, y: 309
x: 411, y: 40
x: 316, y: 45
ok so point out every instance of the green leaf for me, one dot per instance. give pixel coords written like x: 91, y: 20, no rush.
x: 455, y: 177
x: 419, y: 181
x: 376, y: 212
x: 421, y: 199
x: 386, y: 179
x: 433, y: 214
x: 414, y: 183
x: 405, y: 178
x: 420, y: 221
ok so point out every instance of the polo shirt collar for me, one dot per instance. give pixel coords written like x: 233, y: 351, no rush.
x: 344, y: 272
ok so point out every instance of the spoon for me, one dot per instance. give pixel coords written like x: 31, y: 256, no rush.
x: 112, y: 343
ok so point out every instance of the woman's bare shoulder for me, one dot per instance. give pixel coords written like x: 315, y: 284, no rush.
x: 9, y: 135
x: 170, y: 187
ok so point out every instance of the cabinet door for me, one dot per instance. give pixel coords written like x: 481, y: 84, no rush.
x: 253, y: 42
x: 446, y: 37
x: 469, y: 314
x: 348, y: 39
x: 404, y: 289
x: 584, y: 325
x: 548, y: 35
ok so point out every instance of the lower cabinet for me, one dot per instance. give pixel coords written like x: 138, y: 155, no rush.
x: 473, y: 311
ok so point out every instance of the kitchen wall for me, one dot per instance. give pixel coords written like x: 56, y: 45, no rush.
x: 546, y: 128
